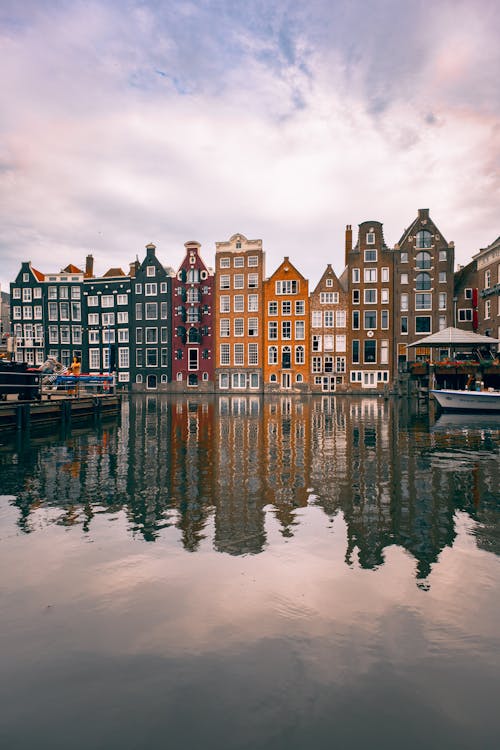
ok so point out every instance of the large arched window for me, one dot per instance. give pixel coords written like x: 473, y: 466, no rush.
x: 272, y: 355
x: 423, y: 239
x: 299, y: 355
x: 423, y: 281
x: 423, y: 260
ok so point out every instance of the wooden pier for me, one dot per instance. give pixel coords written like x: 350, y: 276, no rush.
x: 62, y: 410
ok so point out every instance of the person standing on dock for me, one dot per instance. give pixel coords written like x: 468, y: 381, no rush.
x: 75, y: 369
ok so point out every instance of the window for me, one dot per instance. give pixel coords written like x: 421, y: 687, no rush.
x: 465, y: 315
x: 253, y: 280
x: 253, y: 354
x: 442, y: 300
x: 317, y: 319
x: 108, y: 319
x: 384, y: 352
x: 487, y: 279
x: 340, y: 318
x: 239, y: 328
x: 163, y: 310
x: 28, y: 313
x: 192, y: 359
x: 442, y: 277
x: 239, y: 303
x: 299, y: 355
x: 286, y: 307
x: 355, y: 296
x: 487, y: 309
x: 286, y: 329
x: 108, y: 336
x: 163, y: 288
x: 63, y: 292
x: 238, y: 379
x: 423, y: 301
x: 423, y: 239
x: 151, y: 335
x: 107, y: 300
x: 370, y: 275
x: 370, y: 296
x: 138, y: 310
x: 253, y: 260
x: 53, y: 335
x: 370, y: 319
x: 329, y: 298
x: 239, y: 261
x: 272, y: 330
x: 355, y: 351
x: 139, y: 357
x: 151, y: 310
x: 224, y: 282
x: 225, y: 263
x: 385, y: 275
x: 138, y: 288
x: 316, y: 364
x: 328, y: 343
x: 17, y: 313
x: 27, y: 295
x: 239, y: 354
x: 423, y: 260
x: 225, y: 356
x: 239, y: 280
x: 150, y: 290
x: 370, y: 238
x: 150, y: 271
x: 384, y: 296
x: 384, y: 319
x: 468, y: 293
x: 328, y: 365
x: 300, y: 307
x: 404, y: 324
x: 123, y: 335
x: 290, y: 286
x: 423, y: 324
x: 253, y: 302
x: 253, y: 326
x: 225, y: 304
x: 121, y: 299
x: 64, y: 310
x: 317, y: 343
x: 123, y: 357
x: 404, y: 302
x: 151, y: 357
x: 224, y: 328
x: 370, y: 351
x: 94, y: 337
x: 443, y: 255
x: 404, y: 278
x: 355, y: 275
x: 423, y: 281
x: 355, y: 319
x: 122, y: 317
x: 403, y: 257
x: 16, y: 294
x: 272, y: 308
x: 328, y: 318
x: 329, y: 282
x: 340, y: 343
x: 272, y: 355
x: 300, y: 332
x: 37, y: 312
x: 64, y: 333
x: 442, y: 322
x: 94, y: 359
x: 370, y: 256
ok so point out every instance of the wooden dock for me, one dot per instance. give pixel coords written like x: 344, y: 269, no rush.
x: 62, y: 410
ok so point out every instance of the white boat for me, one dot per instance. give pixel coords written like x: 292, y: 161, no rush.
x: 450, y: 400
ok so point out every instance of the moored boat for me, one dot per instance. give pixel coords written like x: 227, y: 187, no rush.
x: 456, y: 400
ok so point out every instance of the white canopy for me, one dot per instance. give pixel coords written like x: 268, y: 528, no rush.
x: 454, y: 337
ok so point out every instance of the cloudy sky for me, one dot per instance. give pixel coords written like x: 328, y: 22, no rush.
x: 127, y: 122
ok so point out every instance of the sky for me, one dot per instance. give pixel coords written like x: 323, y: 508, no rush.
x: 127, y: 122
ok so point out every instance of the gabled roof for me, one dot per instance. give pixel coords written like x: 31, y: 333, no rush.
x: 454, y: 336
x: 113, y: 272
x: 286, y: 262
x: 328, y: 273
x: 38, y: 274
x: 72, y: 269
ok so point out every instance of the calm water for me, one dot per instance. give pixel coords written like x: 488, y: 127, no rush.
x: 244, y: 573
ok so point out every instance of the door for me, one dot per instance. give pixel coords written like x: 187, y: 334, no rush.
x: 151, y: 382
x: 286, y: 380
x: 328, y: 383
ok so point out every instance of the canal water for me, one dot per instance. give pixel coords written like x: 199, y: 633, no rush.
x: 251, y: 574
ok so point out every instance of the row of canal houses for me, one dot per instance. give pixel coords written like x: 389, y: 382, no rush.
x: 234, y: 329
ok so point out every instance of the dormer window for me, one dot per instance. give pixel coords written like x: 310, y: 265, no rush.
x: 370, y: 256
x: 238, y: 245
x: 370, y: 238
x: 150, y: 270
x: 329, y: 282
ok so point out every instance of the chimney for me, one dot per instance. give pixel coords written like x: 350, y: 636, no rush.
x: 348, y: 241
x: 423, y: 214
x: 133, y: 268
x: 150, y: 250
x: 89, y: 267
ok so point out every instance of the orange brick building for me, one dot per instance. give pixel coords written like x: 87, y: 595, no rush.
x: 286, y: 324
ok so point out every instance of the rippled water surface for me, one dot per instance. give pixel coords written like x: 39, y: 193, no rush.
x: 252, y: 574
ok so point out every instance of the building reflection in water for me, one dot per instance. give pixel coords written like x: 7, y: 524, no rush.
x: 214, y: 467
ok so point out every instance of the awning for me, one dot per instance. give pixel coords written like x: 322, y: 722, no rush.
x: 454, y: 337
